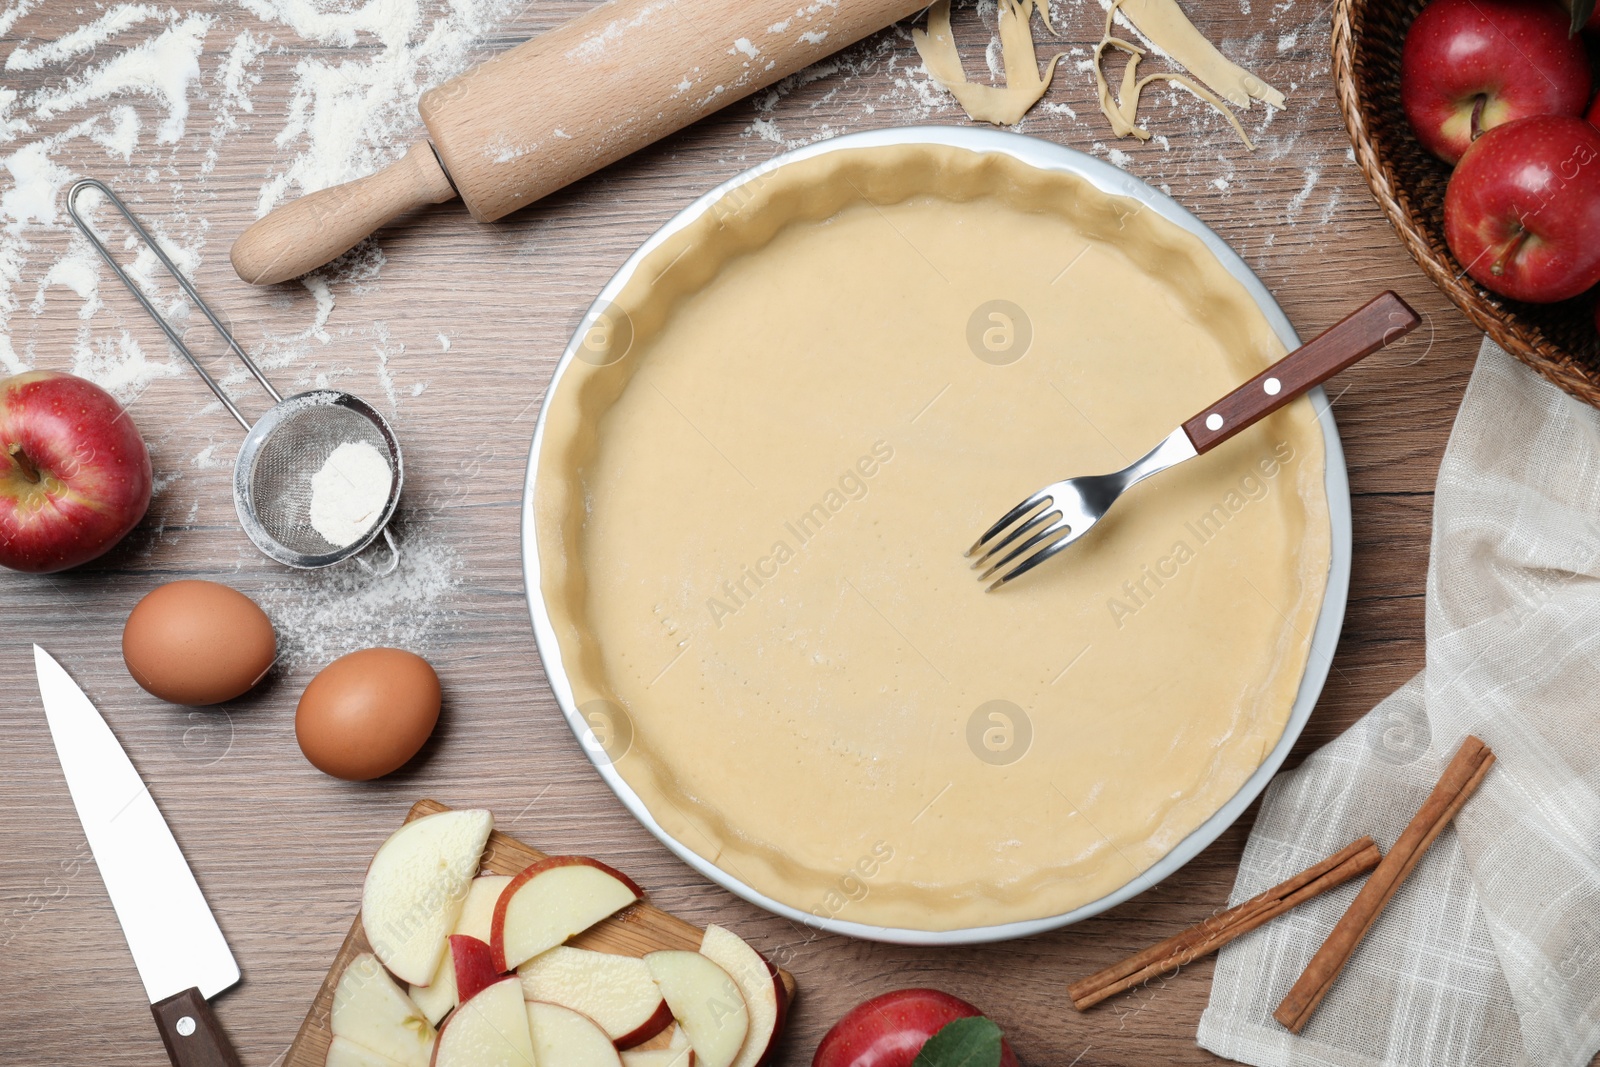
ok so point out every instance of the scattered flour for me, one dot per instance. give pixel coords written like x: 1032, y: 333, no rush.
x: 349, y: 493
x: 1298, y: 200
x: 324, y: 614
x: 163, y: 67
x: 84, y: 39
x: 9, y: 17
x: 351, y: 113
x: 158, y: 93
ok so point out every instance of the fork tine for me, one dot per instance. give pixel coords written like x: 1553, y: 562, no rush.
x: 1046, y: 515
x: 1028, y: 564
x: 1041, y: 497
x: 1049, y: 531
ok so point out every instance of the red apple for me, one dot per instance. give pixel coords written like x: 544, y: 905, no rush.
x: 1522, y: 211
x: 890, y: 1030
x: 1471, y: 65
x: 74, y: 473
x: 1594, y: 108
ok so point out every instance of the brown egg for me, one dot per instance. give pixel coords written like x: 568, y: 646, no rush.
x: 368, y: 713
x: 198, y: 643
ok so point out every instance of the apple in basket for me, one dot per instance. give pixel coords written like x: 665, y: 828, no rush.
x: 1522, y: 211
x: 1469, y: 66
x: 74, y: 473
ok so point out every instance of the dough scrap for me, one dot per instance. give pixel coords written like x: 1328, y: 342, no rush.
x: 1003, y: 105
x: 1164, y: 24
x: 1169, y: 29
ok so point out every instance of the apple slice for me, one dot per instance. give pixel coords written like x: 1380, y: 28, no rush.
x: 705, y: 1001
x: 566, y: 1038
x: 676, y: 1053
x: 551, y: 901
x: 474, y: 972
x: 617, y: 992
x: 477, y: 915
x: 488, y: 1030
x: 342, y: 1052
x: 416, y: 886
x: 371, y: 1011
x: 761, y: 986
x: 657, y: 1057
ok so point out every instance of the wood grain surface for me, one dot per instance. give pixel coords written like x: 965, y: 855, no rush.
x: 280, y: 849
x: 639, y: 928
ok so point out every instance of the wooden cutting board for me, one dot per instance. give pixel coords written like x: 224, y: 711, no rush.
x: 633, y: 931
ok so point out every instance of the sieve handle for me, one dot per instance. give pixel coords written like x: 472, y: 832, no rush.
x: 77, y: 190
x: 394, y: 558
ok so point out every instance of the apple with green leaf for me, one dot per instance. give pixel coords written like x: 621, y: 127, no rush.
x: 75, y: 476
x: 921, y: 1027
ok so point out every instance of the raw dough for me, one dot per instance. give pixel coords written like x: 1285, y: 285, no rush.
x: 1164, y: 25
x: 1161, y: 22
x: 1003, y: 105
x: 751, y: 514
x: 1123, y: 109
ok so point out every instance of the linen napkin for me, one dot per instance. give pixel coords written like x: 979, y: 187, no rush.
x: 1489, y: 954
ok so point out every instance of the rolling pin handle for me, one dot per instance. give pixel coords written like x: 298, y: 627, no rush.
x: 304, y: 234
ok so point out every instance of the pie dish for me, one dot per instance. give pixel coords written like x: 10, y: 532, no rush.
x: 757, y: 466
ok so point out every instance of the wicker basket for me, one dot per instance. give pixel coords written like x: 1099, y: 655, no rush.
x: 1557, y: 340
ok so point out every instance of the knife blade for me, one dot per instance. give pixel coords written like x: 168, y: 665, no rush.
x: 179, y: 950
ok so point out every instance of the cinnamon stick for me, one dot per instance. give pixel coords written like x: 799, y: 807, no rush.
x: 1352, y: 861
x: 1459, y: 781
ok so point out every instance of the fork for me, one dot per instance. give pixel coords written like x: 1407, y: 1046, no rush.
x: 1060, y: 513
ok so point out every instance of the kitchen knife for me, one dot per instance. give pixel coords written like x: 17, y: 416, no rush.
x: 182, y: 957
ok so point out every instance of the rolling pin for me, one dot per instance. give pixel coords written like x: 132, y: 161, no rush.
x: 561, y: 106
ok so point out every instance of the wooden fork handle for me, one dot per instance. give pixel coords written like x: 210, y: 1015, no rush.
x: 1377, y: 325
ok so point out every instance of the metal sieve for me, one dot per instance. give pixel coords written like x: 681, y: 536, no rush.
x: 272, y: 478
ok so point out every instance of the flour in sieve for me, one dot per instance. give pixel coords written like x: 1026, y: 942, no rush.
x: 349, y: 492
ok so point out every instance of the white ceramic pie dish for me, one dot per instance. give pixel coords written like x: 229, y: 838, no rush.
x: 1048, y: 156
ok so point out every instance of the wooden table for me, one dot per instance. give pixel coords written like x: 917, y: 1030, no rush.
x: 280, y: 848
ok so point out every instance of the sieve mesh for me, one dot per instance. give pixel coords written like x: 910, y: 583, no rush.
x: 294, y: 450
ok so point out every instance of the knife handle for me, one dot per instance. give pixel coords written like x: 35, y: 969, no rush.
x: 191, y: 1032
